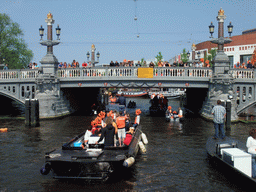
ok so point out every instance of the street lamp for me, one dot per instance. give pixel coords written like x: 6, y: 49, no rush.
x: 88, y: 55
x: 188, y: 54
x: 211, y: 29
x: 93, y: 55
x: 41, y: 32
x: 98, y: 55
x: 49, y: 61
x: 58, y: 32
x: 230, y: 29
x: 221, y: 61
x: 198, y: 54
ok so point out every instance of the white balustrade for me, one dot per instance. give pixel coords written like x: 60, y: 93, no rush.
x: 242, y: 74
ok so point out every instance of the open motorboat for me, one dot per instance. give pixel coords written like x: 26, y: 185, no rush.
x: 232, y: 154
x: 92, y: 162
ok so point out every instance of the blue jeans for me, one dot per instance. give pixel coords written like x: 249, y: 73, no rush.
x: 219, y: 128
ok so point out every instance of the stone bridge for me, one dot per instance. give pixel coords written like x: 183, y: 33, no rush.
x: 29, y: 84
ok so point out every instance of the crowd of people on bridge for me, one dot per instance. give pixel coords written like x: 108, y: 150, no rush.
x: 249, y: 65
x: 131, y: 63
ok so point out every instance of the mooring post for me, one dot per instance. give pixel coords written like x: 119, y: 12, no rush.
x: 34, y: 112
x: 27, y: 112
x: 228, y: 116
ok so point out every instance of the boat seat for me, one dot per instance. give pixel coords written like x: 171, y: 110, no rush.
x: 220, y: 146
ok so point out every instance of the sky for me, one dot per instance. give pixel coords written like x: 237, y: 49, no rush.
x: 166, y: 26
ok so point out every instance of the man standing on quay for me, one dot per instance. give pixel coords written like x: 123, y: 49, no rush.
x: 219, y: 114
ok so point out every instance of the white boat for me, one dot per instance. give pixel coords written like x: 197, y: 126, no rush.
x: 166, y: 92
x: 131, y: 93
x: 231, y: 157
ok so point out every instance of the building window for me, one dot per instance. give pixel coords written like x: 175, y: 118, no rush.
x: 242, y: 48
x: 245, y: 58
x: 239, y: 48
x: 245, y: 48
x: 233, y: 49
x: 231, y: 61
x: 22, y: 91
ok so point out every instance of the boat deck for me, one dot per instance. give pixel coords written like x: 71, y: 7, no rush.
x: 212, y: 143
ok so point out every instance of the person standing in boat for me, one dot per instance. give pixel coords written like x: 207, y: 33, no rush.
x: 219, y: 114
x: 108, y: 133
x: 251, y: 141
x: 251, y: 145
x: 137, y: 118
x: 120, y: 122
x: 122, y: 102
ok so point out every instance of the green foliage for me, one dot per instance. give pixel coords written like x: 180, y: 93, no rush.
x: 159, y: 57
x: 13, y: 49
x: 183, y: 56
x: 211, y: 56
x: 142, y: 61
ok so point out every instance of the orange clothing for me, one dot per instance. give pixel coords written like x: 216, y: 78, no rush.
x: 120, y: 122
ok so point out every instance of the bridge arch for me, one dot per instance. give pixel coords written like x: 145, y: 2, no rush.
x: 10, y: 96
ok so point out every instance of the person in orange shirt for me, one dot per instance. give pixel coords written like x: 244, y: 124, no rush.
x: 137, y: 118
x: 120, y: 122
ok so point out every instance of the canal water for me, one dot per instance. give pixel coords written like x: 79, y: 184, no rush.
x: 176, y: 158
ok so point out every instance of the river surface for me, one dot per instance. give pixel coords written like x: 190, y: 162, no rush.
x: 176, y: 159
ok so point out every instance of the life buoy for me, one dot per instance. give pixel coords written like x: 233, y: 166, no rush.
x: 3, y: 129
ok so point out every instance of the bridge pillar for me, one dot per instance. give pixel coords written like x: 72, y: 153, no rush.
x: 221, y: 84
x: 52, y: 104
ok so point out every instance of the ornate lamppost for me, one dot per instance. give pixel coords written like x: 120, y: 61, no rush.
x: 193, y: 48
x: 221, y: 60
x: 49, y: 61
x: 93, y: 56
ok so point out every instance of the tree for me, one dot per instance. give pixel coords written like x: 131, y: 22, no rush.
x: 159, y: 57
x: 13, y: 49
x: 210, y: 57
x: 184, y: 56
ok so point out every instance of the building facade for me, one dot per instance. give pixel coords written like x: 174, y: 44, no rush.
x: 239, y: 50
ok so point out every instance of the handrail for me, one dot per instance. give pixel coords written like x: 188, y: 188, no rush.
x: 19, y: 74
x: 95, y: 72
x: 133, y: 72
x: 242, y: 73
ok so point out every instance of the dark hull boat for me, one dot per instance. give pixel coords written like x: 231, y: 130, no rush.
x: 232, y: 158
x: 94, y: 162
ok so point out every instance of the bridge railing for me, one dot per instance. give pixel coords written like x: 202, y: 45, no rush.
x: 242, y: 73
x: 133, y: 72
x: 19, y: 74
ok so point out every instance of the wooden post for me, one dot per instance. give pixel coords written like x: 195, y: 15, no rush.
x: 228, y: 116
x: 32, y: 112
x: 27, y: 112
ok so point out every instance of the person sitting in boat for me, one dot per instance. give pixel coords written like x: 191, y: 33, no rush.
x: 128, y: 137
x: 108, y: 133
x: 251, y: 145
x: 137, y: 118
